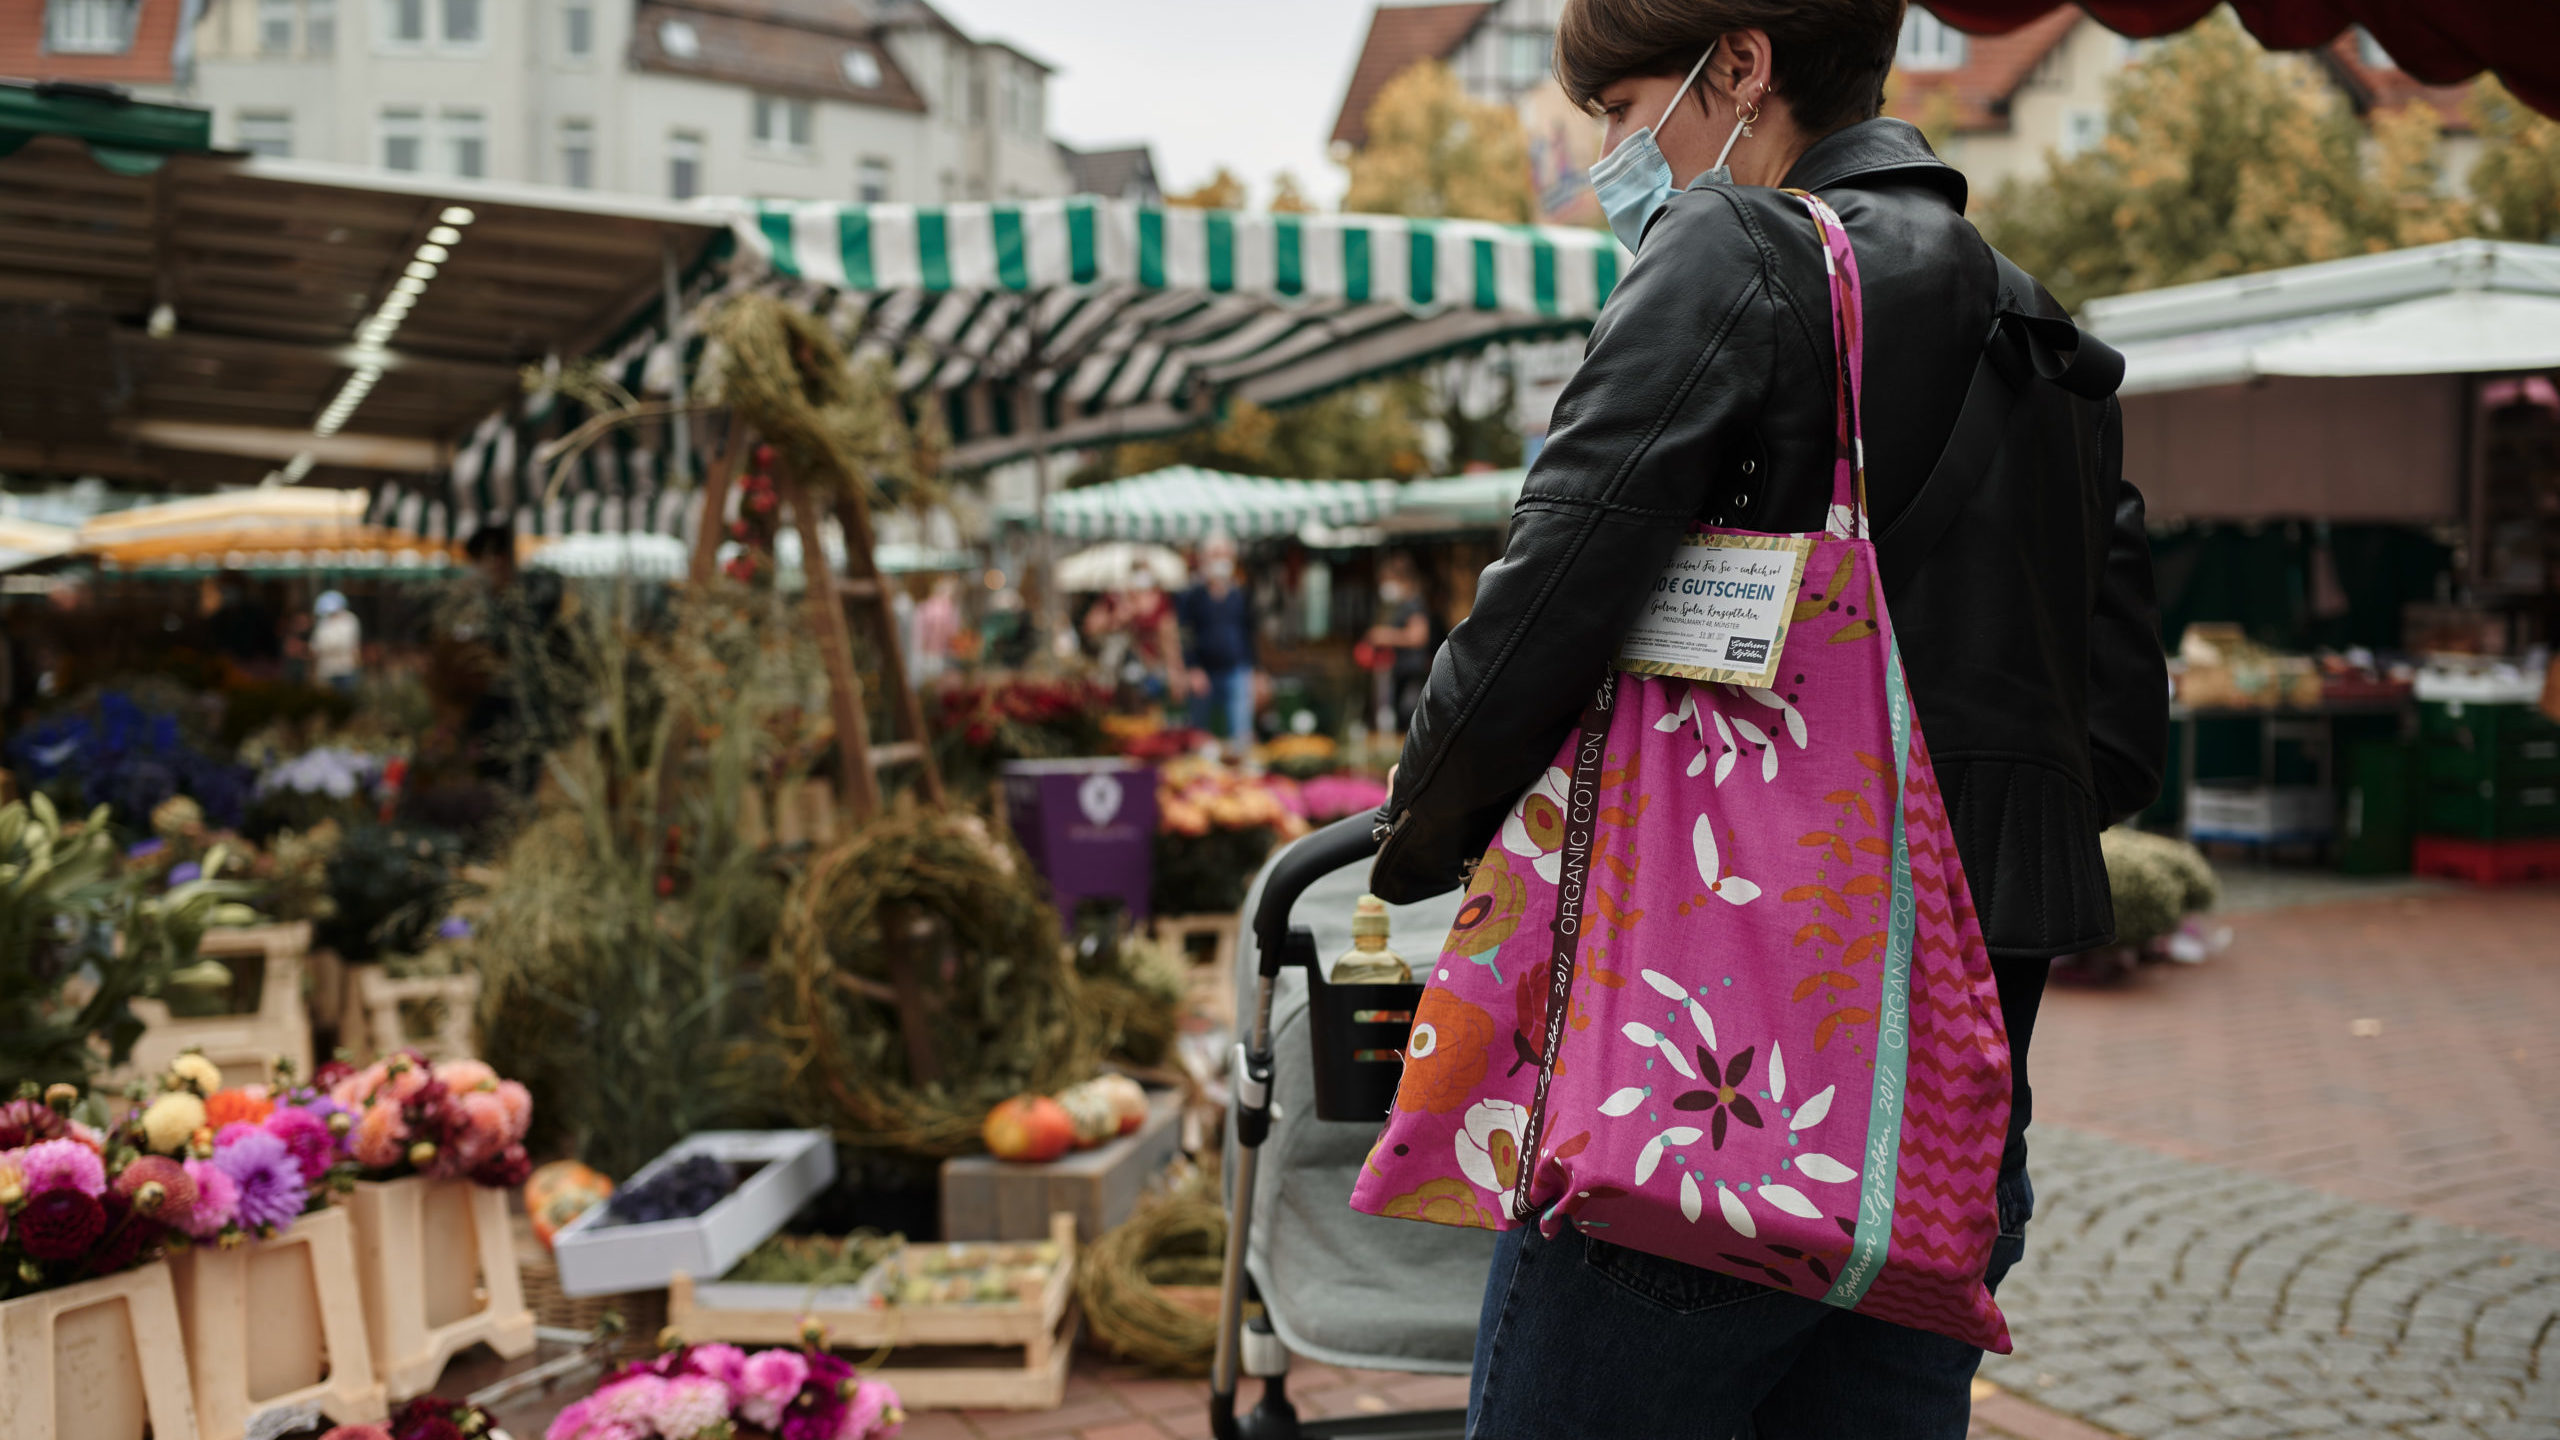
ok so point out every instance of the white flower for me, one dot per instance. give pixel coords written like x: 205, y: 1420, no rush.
x: 1732, y: 889
x: 1535, y: 829
x: 1489, y: 1146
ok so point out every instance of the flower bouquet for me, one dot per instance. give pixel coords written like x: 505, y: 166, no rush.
x: 75, y: 1205
x: 428, y: 1417
x: 449, y: 1120
x: 1215, y: 824
x: 717, y: 1392
x: 978, y: 724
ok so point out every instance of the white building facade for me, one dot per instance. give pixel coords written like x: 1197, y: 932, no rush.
x: 781, y: 99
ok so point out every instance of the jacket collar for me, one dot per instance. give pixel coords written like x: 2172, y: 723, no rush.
x: 1872, y: 151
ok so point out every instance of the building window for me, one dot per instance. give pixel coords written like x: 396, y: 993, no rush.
x: 783, y: 123
x: 871, y: 181
x: 404, y: 22
x: 320, y: 27
x: 679, y: 39
x: 404, y: 139
x: 578, y: 154
x: 88, y: 27
x: 462, y: 22
x: 275, y: 27
x: 862, y: 69
x: 466, y: 144
x: 1525, y: 56
x: 267, y: 132
x: 684, y: 165
x: 1929, y: 43
x: 2082, y: 129
x: 578, y: 31
x: 977, y: 96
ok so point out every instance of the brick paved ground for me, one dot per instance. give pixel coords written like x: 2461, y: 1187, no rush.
x: 2253, y: 1059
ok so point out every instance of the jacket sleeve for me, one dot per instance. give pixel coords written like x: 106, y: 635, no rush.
x: 2128, y: 673
x: 1672, y: 375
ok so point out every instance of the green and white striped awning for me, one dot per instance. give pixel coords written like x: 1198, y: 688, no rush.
x: 1188, y: 503
x: 1062, y: 324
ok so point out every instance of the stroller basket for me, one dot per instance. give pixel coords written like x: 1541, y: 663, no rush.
x: 1359, y: 1033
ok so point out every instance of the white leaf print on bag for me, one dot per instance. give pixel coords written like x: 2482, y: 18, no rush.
x: 1670, y: 989
x: 1811, y: 1112
x: 1623, y: 1102
x: 1791, y: 1200
x: 1824, y: 1169
x: 1690, y: 1205
x: 1732, y: 889
x: 1735, y: 1215
x: 1650, y: 1158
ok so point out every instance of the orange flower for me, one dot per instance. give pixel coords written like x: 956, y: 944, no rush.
x: 246, y: 1104
x: 1444, y: 1057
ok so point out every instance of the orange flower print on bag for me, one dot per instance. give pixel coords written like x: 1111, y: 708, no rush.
x: 1444, y: 1202
x: 1446, y: 1055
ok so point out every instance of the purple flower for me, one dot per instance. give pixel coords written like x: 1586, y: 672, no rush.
x: 308, y: 1137
x: 270, y: 1180
x: 145, y: 849
x: 184, y: 871
x: 453, y: 927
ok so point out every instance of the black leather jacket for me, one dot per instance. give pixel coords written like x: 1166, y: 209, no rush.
x: 2028, y: 630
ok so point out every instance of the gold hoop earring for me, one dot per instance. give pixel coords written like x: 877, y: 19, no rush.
x: 1750, y: 115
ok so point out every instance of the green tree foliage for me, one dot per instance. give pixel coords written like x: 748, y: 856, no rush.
x: 1434, y: 152
x: 2517, y: 178
x: 1364, y: 432
x: 1223, y: 190
x: 2221, y: 159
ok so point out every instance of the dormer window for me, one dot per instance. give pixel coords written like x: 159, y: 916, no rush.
x: 1929, y: 43
x: 679, y: 39
x: 88, y: 27
x: 862, y: 69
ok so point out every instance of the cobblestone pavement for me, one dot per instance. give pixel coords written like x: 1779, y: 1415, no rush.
x: 2404, y: 1051
x: 2171, y: 1300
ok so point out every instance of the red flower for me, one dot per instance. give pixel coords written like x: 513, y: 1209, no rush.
x: 505, y: 1170
x: 124, y: 1238
x: 60, y: 1224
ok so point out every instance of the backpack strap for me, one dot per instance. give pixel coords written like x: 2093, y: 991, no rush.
x: 2021, y: 339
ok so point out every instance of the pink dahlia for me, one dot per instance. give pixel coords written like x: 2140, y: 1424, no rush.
x: 769, y: 1381
x: 177, y: 1202
x: 689, y: 1405
x: 63, y: 1165
x: 217, y: 1200
x: 308, y: 1137
x: 720, y: 1362
x: 381, y: 1136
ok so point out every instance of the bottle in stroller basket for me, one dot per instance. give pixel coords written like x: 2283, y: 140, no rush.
x: 1369, y: 961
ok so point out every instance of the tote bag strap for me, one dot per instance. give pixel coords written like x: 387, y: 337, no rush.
x: 1848, y: 342
x: 1581, y: 813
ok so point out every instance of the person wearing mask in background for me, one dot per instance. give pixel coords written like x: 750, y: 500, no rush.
x: 1400, y: 641
x: 1218, y: 646
x: 1142, y: 618
x: 337, y: 642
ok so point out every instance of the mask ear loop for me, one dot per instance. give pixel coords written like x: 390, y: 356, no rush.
x: 1741, y: 126
x: 1685, y: 83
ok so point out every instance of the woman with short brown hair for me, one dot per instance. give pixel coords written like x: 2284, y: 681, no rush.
x: 2015, y: 568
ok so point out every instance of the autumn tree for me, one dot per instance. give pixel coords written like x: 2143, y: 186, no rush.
x: 1364, y: 432
x: 2516, y: 180
x: 1287, y: 196
x: 2220, y: 159
x: 1221, y: 191
x: 1432, y: 151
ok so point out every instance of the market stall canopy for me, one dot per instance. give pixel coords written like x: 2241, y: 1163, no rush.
x: 1114, y: 565
x: 641, y: 556
x: 2461, y: 307
x: 191, y: 328
x: 275, y: 528
x: 124, y: 135
x: 22, y: 541
x: 1478, y: 501
x: 2335, y: 389
x: 1185, y: 503
x: 2438, y: 42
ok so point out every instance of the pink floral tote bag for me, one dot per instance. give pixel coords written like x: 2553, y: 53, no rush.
x: 1717, y: 991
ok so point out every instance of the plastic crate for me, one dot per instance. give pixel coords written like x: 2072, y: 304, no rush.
x: 2488, y: 862
x: 2492, y: 810
x: 2378, y: 817
x: 2261, y: 814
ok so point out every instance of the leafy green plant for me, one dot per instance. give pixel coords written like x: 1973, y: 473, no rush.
x: 81, y: 939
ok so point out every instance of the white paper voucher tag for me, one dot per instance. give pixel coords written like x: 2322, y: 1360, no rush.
x: 1719, y: 610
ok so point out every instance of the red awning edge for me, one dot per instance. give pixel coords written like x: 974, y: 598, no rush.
x: 2438, y: 42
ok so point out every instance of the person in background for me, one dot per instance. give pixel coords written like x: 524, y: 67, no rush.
x: 936, y: 628
x: 1217, y: 647
x: 337, y: 642
x: 1142, y: 617
x: 1402, y: 638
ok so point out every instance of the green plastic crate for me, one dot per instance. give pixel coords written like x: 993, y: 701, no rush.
x: 2378, y: 815
x: 2492, y: 810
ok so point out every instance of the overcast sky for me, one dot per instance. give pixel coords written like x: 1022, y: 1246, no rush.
x: 1250, y: 84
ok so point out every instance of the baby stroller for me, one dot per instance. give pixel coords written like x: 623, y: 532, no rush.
x: 1314, y: 1075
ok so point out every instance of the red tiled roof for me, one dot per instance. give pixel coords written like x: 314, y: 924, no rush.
x: 1400, y: 37
x: 2389, y: 88
x: 793, y: 49
x: 144, y: 62
x: 1993, y: 69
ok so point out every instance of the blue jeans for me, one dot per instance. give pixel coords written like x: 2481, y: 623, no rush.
x: 1582, y: 1338
x: 1229, y: 701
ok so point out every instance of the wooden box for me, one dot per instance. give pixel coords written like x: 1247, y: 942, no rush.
x: 377, y: 999
x: 999, y: 1356
x: 437, y: 1267
x: 275, y: 1330
x: 101, y: 1360
x: 245, y: 1047
x: 984, y: 1198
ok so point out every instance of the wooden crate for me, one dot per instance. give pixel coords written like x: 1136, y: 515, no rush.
x: 437, y: 1265
x: 100, y: 1360
x: 984, y: 1198
x: 275, y: 1329
x: 245, y: 1047
x: 1211, y: 993
x: 378, y: 998
x: 941, y: 1357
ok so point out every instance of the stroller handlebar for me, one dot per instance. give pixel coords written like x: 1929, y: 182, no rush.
x: 1313, y: 857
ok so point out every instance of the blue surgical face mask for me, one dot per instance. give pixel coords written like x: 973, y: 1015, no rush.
x: 1634, y: 180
